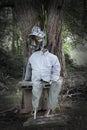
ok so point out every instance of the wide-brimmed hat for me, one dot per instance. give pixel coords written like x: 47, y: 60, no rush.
x: 36, y: 31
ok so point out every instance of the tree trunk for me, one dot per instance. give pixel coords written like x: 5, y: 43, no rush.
x: 27, y: 17
x: 54, y: 28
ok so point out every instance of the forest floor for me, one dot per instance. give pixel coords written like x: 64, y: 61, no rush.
x: 74, y: 104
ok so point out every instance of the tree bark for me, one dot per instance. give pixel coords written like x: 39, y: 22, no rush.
x: 27, y: 17
x: 54, y: 28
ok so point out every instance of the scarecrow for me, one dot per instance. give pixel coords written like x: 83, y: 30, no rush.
x: 45, y: 67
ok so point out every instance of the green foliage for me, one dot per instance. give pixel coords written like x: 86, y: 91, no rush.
x: 69, y: 62
x: 10, y: 65
x: 16, y: 66
x: 76, y: 16
x: 67, y: 46
x: 65, y: 31
x: 66, y: 38
x: 19, y: 42
x: 5, y: 25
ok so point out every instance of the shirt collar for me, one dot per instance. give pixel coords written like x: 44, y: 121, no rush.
x: 45, y: 52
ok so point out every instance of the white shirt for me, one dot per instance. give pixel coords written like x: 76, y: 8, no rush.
x: 44, y: 66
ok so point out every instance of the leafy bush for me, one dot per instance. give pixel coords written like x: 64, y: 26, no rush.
x: 11, y: 65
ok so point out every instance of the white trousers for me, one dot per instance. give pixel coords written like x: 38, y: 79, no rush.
x: 54, y: 91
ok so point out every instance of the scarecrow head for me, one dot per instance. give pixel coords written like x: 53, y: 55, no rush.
x: 37, y: 36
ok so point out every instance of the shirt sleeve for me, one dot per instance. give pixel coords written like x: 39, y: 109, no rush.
x: 55, y: 70
x: 28, y: 71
